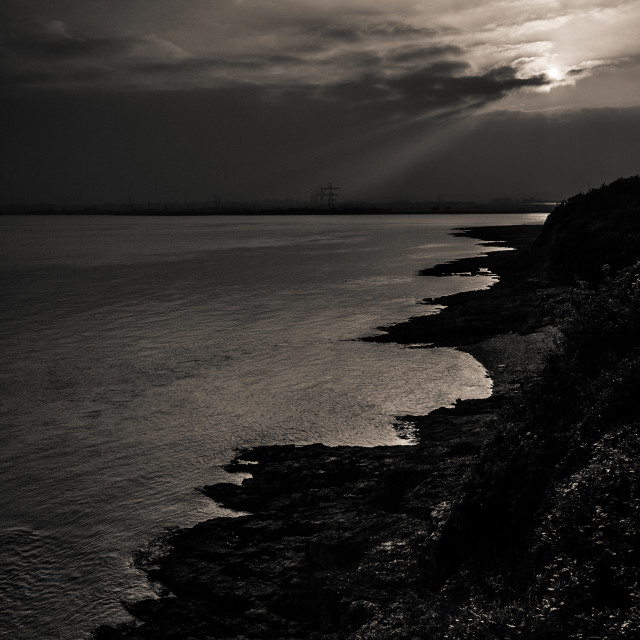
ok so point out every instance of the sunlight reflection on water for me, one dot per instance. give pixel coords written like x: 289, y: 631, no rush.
x: 138, y: 354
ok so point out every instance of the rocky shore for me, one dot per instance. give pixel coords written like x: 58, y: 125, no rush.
x: 335, y: 542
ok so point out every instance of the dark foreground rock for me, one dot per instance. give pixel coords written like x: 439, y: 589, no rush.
x: 334, y: 532
x: 337, y: 540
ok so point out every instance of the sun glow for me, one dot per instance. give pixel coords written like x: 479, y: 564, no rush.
x: 553, y: 73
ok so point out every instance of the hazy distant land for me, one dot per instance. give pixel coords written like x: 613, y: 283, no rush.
x: 498, y: 205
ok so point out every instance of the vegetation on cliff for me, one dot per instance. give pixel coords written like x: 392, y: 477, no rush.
x: 545, y: 541
x: 592, y: 229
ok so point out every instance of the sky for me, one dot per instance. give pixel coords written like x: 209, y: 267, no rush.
x: 244, y: 100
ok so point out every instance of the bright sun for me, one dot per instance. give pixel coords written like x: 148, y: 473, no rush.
x: 553, y: 73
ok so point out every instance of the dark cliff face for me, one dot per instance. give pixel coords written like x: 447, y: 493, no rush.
x: 601, y: 227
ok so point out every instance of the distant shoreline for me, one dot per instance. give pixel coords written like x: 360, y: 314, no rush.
x: 480, y: 210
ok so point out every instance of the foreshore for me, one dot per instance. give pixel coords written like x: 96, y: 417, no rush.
x: 334, y: 540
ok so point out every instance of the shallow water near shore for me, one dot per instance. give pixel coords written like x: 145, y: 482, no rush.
x: 137, y: 354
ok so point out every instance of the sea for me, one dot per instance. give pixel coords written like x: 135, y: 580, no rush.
x: 138, y: 354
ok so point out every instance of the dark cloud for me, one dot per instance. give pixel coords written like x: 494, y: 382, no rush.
x: 383, y: 32
x: 341, y: 34
x: 49, y: 41
x: 443, y: 85
x: 191, y: 69
x: 363, y: 93
x: 357, y: 61
x: 395, y: 30
x: 189, y: 145
x: 260, y: 95
x: 43, y: 54
x: 25, y: 77
x: 423, y: 54
x: 280, y: 59
x: 402, y: 80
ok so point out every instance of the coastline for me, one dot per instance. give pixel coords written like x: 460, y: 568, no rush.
x: 334, y: 541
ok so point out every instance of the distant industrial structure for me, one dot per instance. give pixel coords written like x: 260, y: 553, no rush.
x: 325, y: 197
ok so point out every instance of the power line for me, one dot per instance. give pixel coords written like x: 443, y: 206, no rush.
x: 328, y: 195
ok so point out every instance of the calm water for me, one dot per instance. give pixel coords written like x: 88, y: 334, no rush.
x: 137, y: 353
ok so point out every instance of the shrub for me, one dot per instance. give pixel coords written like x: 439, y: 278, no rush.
x: 551, y: 511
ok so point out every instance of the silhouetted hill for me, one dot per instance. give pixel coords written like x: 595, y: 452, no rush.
x: 591, y: 229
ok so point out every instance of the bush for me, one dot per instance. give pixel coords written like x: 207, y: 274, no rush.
x: 592, y: 229
x: 551, y: 511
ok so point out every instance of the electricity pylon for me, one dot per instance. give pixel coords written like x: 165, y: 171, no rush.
x: 328, y: 195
